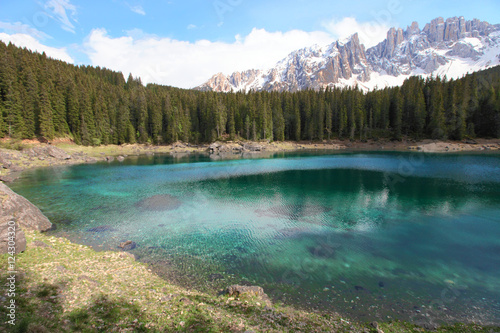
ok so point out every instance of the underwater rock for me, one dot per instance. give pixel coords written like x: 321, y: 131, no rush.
x: 161, y: 202
x: 120, y: 158
x: 128, y: 245
x: 213, y: 277
x: 101, y: 228
x: 323, y: 251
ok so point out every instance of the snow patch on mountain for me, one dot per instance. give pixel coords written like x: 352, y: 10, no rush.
x: 451, y: 48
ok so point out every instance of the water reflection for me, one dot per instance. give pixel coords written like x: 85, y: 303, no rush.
x: 315, y: 230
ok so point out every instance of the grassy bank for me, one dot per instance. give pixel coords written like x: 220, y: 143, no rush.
x: 66, y: 287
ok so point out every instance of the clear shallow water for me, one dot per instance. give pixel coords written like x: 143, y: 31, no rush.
x: 370, y: 235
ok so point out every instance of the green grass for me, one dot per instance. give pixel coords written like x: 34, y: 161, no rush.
x: 14, y: 144
x: 67, y: 287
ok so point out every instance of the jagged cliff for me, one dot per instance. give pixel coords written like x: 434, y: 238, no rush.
x: 450, y: 47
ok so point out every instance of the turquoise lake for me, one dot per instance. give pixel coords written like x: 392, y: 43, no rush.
x: 373, y: 236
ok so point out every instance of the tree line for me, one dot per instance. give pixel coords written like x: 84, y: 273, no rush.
x: 42, y: 97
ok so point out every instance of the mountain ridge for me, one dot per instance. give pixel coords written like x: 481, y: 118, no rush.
x: 451, y: 47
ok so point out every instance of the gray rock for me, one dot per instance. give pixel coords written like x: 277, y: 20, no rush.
x: 11, y: 226
x: 126, y: 255
x: 464, y: 50
x: 8, y: 178
x: 15, y: 207
x: 110, y: 158
x: 120, y: 158
x: 237, y: 290
x: 57, y: 153
x: 252, y: 147
x: 47, y: 151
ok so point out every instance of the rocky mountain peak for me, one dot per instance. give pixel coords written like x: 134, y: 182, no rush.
x: 413, y: 29
x: 453, y: 46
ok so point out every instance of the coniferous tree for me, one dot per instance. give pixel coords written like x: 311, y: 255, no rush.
x: 40, y: 96
x: 45, y: 115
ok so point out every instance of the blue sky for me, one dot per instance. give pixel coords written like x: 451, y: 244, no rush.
x: 182, y: 43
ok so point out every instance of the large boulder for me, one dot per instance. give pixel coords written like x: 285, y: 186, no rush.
x: 47, y: 151
x: 15, y: 207
x: 57, y: 153
x: 11, y: 235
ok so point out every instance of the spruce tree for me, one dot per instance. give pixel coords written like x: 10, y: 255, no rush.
x: 45, y: 116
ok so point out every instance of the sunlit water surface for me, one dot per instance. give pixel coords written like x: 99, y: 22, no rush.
x: 369, y: 235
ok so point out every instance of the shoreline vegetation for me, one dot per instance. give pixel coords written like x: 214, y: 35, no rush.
x: 67, y: 287
x: 64, y: 287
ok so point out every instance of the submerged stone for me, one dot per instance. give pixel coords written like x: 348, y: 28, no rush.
x: 323, y: 251
x: 161, y: 202
x: 128, y: 245
x: 213, y: 277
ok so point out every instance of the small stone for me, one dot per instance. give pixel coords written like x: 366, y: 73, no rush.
x: 128, y: 245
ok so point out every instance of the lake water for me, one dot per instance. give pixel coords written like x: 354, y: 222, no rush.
x: 373, y: 236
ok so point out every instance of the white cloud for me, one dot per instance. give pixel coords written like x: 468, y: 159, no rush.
x: 185, y: 64
x: 27, y: 41
x: 137, y: 9
x: 370, y: 33
x: 22, y: 28
x: 58, y: 9
x: 191, y: 27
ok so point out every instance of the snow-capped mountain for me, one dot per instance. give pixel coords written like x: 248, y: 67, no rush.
x: 453, y: 48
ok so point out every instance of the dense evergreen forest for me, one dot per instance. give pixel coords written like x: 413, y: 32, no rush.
x: 42, y: 97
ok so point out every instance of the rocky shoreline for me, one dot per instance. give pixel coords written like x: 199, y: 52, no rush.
x: 34, y: 154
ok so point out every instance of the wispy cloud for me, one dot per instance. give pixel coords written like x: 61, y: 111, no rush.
x: 191, y: 27
x: 29, y: 42
x: 370, y: 33
x: 60, y: 9
x: 137, y: 9
x: 21, y: 28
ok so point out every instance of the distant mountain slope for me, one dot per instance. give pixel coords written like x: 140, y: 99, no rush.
x: 453, y: 47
